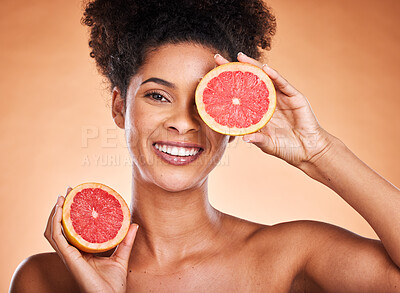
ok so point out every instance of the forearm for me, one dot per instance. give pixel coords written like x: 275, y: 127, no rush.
x: 376, y: 199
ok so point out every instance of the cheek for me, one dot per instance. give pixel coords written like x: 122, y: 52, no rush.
x: 216, y: 139
x: 136, y: 127
x: 222, y: 142
x: 218, y: 143
x: 137, y: 120
x: 140, y: 126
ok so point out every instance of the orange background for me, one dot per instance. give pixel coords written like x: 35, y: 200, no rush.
x: 57, y: 129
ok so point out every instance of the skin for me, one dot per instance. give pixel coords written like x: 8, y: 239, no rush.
x: 184, y: 244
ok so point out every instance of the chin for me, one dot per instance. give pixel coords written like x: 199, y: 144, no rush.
x: 177, y: 183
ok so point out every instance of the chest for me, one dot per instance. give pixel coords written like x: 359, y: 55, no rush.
x: 240, y: 277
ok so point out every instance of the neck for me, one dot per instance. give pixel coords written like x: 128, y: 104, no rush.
x: 172, y: 225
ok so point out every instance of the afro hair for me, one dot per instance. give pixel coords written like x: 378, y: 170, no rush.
x: 122, y: 32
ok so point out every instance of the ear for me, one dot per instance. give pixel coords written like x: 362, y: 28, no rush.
x: 118, y: 108
x: 231, y: 138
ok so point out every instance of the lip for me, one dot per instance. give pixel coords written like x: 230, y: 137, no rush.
x: 177, y: 160
x: 180, y: 144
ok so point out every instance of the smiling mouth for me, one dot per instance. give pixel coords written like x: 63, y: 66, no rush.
x: 177, y: 153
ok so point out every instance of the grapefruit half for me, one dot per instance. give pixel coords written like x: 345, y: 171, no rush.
x: 95, y: 218
x: 236, y: 98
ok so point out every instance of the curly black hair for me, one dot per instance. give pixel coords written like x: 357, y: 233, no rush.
x: 122, y: 32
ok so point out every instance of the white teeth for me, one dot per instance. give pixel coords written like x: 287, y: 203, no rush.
x: 177, y: 151
x: 182, y: 152
x: 174, y: 151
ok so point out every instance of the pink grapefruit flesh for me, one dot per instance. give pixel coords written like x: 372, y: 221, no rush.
x: 95, y: 217
x: 236, y: 98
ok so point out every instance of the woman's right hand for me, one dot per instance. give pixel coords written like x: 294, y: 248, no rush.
x: 92, y: 273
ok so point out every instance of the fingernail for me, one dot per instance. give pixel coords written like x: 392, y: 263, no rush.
x: 241, y: 53
x: 217, y: 55
x: 246, y: 138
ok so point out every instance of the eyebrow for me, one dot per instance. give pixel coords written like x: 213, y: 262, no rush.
x: 159, y: 81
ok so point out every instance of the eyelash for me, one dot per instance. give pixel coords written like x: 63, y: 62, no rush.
x: 159, y: 99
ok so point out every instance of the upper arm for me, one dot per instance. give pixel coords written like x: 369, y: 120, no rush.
x: 341, y: 261
x: 42, y: 273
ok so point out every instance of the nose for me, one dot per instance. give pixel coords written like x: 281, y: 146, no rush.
x: 183, y: 120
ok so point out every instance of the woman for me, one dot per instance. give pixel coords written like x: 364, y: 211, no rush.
x: 154, y: 55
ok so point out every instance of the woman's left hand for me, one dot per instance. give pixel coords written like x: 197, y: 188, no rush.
x: 293, y: 133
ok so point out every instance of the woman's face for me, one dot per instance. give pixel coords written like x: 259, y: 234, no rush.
x: 169, y: 143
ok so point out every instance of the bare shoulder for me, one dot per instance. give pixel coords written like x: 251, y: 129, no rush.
x: 299, y: 236
x: 43, y: 272
x: 272, y: 255
x: 328, y: 258
x: 308, y: 236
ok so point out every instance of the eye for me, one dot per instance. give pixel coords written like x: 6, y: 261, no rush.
x: 157, y: 97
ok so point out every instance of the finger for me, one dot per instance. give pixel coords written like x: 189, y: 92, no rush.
x: 66, y: 194
x: 68, y: 191
x: 244, y: 58
x: 123, y: 252
x: 261, y: 140
x: 49, y: 226
x: 220, y: 60
x: 47, y: 231
x: 71, y: 256
x: 55, y: 227
x: 282, y: 84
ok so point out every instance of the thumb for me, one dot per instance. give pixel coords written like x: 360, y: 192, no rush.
x: 123, y: 252
x: 264, y: 142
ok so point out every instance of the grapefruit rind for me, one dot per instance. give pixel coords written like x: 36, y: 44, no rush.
x: 77, y: 240
x: 235, y: 66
